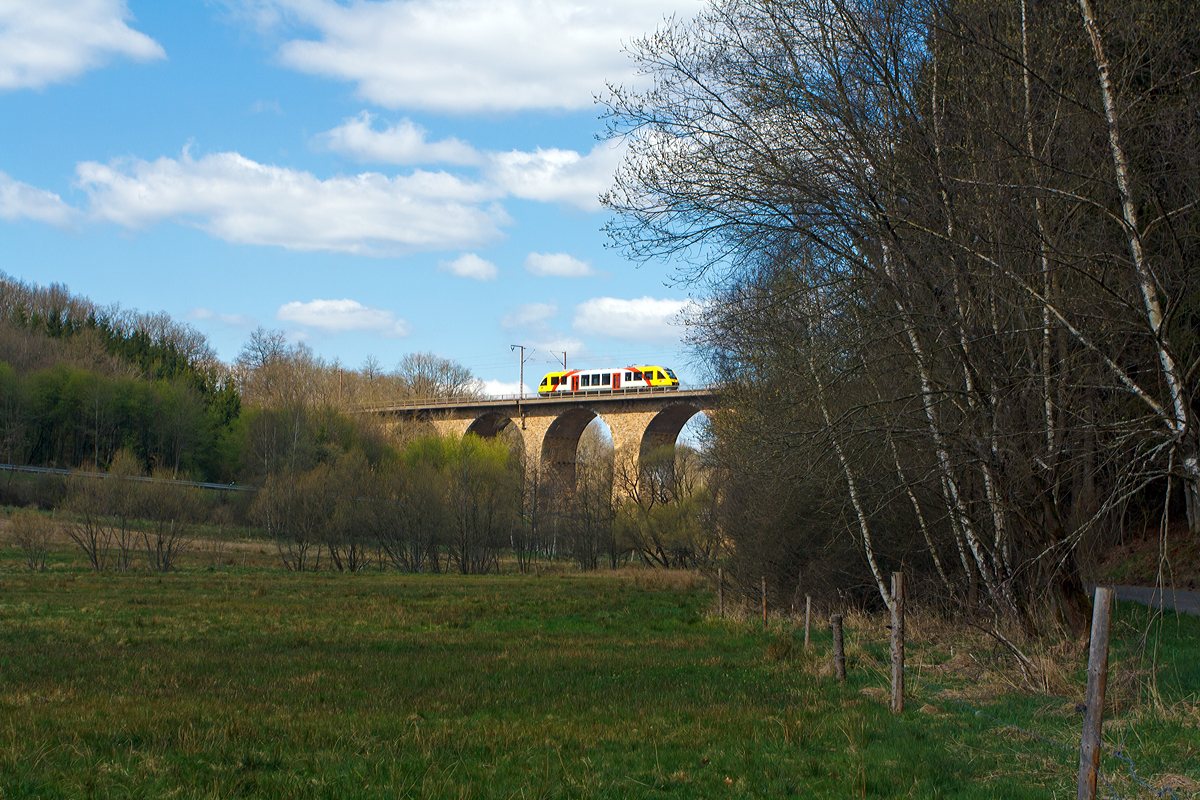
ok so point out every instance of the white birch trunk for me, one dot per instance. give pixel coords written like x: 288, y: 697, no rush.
x: 1178, y: 414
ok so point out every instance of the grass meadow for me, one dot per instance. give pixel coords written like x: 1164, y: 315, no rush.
x: 229, y: 681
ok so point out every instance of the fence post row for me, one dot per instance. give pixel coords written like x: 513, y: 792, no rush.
x: 897, y: 642
x: 1093, y: 715
x: 764, y: 602
x: 839, y: 652
x: 807, y: 617
x: 721, y: 592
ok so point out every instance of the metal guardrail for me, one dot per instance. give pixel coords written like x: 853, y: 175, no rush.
x: 583, y: 395
x: 225, y: 487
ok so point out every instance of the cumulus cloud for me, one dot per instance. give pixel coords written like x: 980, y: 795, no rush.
x: 495, y: 388
x: 559, y: 265
x: 340, y: 316
x: 546, y: 174
x: 642, y: 319
x: 242, y: 201
x: 21, y: 201
x: 469, y: 265
x: 472, y: 55
x: 556, y: 176
x: 402, y: 143
x: 529, y: 314
x: 49, y: 41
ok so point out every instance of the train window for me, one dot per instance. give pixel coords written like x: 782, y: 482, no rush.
x: 595, y: 380
x: 628, y: 376
x: 606, y: 379
x: 545, y: 381
x: 584, y: 380
x: 554, y: 381
x: 660, y: 377
x: 637, y: 375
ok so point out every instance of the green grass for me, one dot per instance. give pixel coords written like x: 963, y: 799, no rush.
x: 262, y: 683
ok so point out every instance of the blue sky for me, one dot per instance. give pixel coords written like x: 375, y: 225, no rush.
x: 375, y: 178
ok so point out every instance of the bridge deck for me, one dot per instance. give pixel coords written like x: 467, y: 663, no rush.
x: 512, y: 401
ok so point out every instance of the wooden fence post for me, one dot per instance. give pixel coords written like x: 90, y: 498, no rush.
x: 839, y: 651
x: 1093, y: 715
x: 764, y: 601
x: 897, y: 642
x: 807, y: 617
x: 721, y: 592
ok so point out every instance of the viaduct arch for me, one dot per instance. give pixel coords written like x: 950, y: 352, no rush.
x: 547, y: 429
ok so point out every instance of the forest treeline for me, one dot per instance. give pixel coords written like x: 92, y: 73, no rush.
x: 136, y: 396
x: 80, y: 383
x: 951, y: 248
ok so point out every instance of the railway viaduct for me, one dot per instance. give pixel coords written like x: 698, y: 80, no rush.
x: 639, y: 420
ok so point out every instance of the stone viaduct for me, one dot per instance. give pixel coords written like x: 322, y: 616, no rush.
x: 550, y: 427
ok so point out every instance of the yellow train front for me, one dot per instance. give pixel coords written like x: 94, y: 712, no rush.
x: 607, y: 380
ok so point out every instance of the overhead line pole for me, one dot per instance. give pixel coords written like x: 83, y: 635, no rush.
x: 520, y: 382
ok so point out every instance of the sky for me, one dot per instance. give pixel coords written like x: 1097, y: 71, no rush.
x: 373, y: 177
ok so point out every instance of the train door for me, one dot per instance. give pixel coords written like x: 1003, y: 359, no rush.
x: 574, y: 383
x: 616, y: 381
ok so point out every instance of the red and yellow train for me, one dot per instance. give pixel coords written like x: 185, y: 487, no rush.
x: 607, y: 380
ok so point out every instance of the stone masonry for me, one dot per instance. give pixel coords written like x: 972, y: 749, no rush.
x: 549, y: 428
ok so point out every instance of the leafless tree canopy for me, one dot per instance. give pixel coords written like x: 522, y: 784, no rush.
x: 951, y: 248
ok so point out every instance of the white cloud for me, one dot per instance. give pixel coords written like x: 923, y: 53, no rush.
x: 339, y: 316
x: 472, y: 55
x: 496, y: 388
x: 469, y: 265
x: 558, y: 265
x: 556, y: 176
x: 242, y: 201
x: 21, y: 201
x: 402, y: 143
x: 547, y: 175
x: 47, y: 41
x: 529, y: 314
x: 641, y: 320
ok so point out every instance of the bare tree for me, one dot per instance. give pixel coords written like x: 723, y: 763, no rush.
x: 942, y: 176
x: 89, y: 528
x: 430, y: 375
x: 294, y: 508
x: 122, y: 498
x: 661, y: 507
x: 171, y: 510
x: 31, y: 533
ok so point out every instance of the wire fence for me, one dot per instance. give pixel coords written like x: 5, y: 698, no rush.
x: 750, y: 599
x: 943, y: 694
